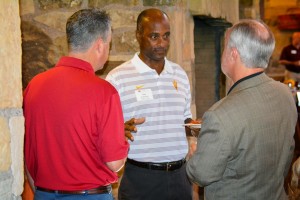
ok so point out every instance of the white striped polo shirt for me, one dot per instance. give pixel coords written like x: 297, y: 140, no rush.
x: 164, y: 100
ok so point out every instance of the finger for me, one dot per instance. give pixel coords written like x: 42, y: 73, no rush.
x: 193, y: 148
x: 130, y: 122
x: 199, y: 120
x: 129, y: 125
x: 129, y: 136
x: 195, y: 129
x: 195, y: 121
x: 139, y: 120
x: 130, y: 128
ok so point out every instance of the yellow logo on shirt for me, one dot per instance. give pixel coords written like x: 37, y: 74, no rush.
x: 175, y: 84
x: 138, y: 87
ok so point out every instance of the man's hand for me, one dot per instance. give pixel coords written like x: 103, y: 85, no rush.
x: 190, y: 131
x: 130, y: 126
x: 296, y: 63
x: 192, y: 141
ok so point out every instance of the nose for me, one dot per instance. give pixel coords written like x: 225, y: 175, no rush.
x: 163, y: 42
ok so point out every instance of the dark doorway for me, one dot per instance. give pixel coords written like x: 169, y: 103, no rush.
x: 210, y: 81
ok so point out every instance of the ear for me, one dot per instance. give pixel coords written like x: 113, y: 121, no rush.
x: 99, y: 45
x: 138, y: 36
x: 234, y: 54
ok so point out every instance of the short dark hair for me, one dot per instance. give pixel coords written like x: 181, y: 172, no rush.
x: 85, y: 26
x: 144, y: 14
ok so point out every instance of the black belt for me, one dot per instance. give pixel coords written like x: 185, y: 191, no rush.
x: 98, y: 190
x: 166, y: 166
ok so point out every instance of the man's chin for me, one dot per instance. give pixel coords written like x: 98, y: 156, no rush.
x: 160, y: 56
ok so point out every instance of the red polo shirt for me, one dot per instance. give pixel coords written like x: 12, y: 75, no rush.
x: 73, y: 125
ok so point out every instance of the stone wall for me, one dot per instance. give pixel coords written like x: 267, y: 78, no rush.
x: 225, y: 9
x: 32, y: 40
x: 44, y: 41
x: 11, y: 115
x: 40, y: 42
x: 43, y: 24
x: 43, y: 30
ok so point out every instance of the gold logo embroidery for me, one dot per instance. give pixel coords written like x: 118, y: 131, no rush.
x: 138, y: 87
x: 175, y: 84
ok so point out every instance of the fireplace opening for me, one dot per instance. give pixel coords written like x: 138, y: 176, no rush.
x: 210, y: 82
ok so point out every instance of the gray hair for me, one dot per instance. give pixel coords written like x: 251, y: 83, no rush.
x: 254, y: 41
x: 86, y: 26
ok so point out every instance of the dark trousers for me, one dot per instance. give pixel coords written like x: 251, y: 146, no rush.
x: 144, y: 184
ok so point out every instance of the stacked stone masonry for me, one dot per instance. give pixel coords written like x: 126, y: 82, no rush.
x: 33, y: 39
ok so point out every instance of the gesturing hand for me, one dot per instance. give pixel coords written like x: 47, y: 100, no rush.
x: 130, y: 126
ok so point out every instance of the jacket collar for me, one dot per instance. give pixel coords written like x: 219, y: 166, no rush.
x: 249, y: 81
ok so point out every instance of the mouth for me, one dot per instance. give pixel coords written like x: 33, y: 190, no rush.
x: 160, y: 50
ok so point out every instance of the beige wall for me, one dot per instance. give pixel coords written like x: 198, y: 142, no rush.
x: 11, y: 116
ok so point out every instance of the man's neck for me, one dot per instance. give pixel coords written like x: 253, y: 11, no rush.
x: 245, y: 73
x: 158, y: 66
x: 83, y: 56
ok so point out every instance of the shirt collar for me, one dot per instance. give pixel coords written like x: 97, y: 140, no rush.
x: 142, y: 67
x: 67, y: 61
x: 243, y: 79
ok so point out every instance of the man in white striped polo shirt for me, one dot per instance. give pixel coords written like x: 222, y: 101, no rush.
x: 155, y: 97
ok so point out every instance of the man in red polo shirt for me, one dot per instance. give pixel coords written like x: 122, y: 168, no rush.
x: 74, y: 126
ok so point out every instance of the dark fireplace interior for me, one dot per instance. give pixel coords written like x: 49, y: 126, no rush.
x: 210, y: 82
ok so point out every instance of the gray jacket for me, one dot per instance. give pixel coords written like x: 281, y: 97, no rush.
x: 246, y: 142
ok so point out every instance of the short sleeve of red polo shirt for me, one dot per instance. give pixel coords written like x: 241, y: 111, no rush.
x: 112, y: 143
